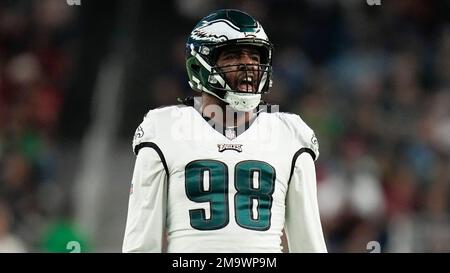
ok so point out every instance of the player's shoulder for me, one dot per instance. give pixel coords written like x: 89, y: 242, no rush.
x: 165, y: 111
x: 299, y: 129
x: 156, y: 120
x: 291, y: 121
x: 162, y: 115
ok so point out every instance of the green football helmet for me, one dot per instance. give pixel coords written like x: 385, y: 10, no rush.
x: 219, y: 30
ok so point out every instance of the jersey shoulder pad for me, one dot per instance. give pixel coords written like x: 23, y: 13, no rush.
x: 302, y: 132
x: 154, y: 121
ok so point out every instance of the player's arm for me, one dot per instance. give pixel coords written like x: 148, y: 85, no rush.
x: 147, y: 204
x: 302, y: 226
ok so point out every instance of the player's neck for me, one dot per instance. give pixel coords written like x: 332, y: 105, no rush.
x: 223, y: 114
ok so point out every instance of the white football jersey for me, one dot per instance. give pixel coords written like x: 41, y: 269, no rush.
x: 211, y: 193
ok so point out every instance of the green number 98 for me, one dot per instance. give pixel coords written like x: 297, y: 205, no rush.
x: 254, y: 182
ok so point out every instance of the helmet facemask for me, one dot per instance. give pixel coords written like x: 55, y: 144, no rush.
x: 244, y: 93
x: 256, y: 77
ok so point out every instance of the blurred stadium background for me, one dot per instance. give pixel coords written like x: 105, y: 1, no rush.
x: 372, y: 81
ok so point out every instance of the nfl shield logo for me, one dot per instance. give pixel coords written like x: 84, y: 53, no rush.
x: 230, y: 133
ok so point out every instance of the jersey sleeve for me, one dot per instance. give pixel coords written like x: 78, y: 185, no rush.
x: 302, y: 225
x: 147, y: 204
x: 307, y: 137
x: 145, y: 133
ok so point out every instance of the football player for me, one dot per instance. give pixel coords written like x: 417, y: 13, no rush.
x: 224, y: 172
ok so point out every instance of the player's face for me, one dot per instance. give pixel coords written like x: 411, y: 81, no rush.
x: 240, y: 67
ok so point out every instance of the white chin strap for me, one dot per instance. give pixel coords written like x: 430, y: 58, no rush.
x: 242, y: 102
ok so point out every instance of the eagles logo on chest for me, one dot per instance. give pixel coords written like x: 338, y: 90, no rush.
x: 234, y: 147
